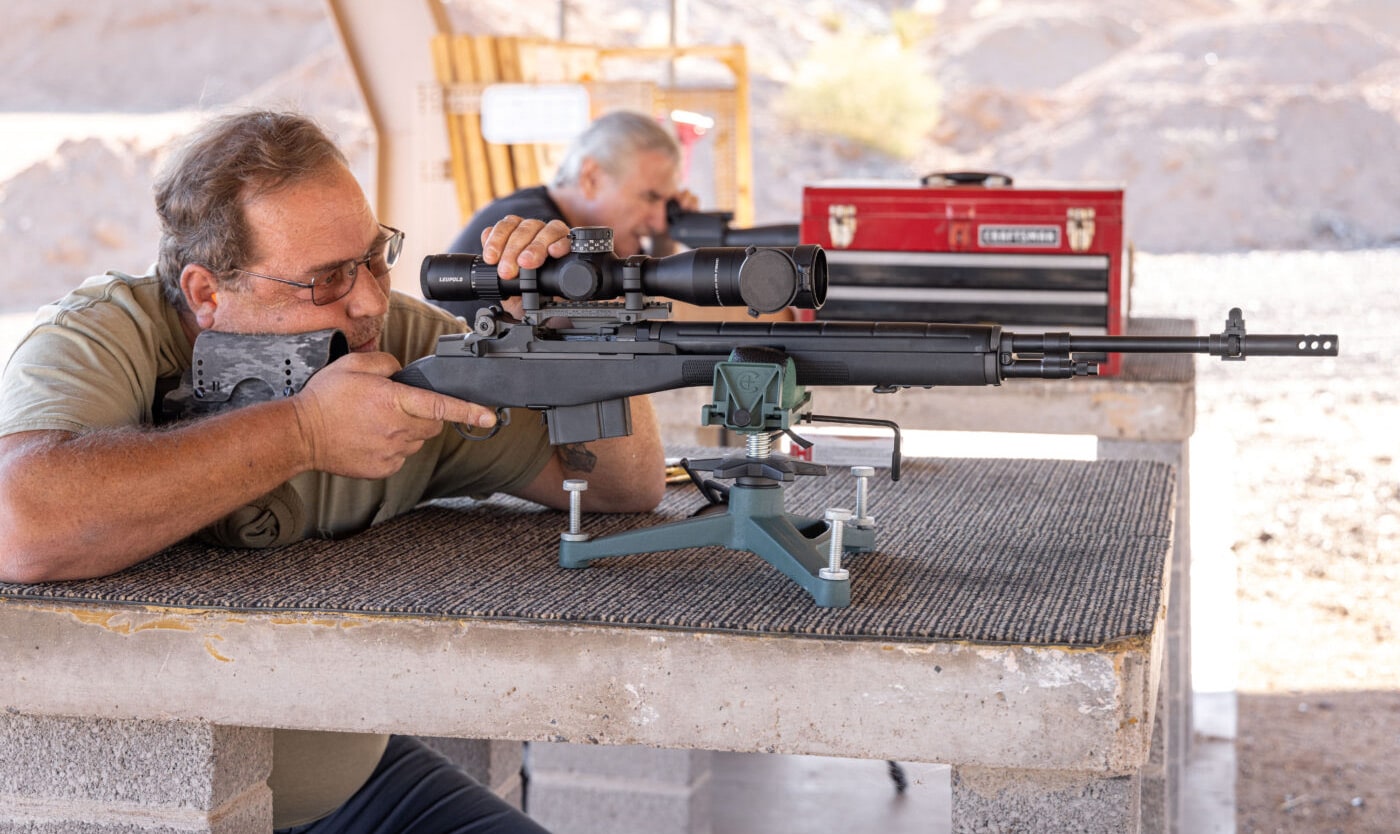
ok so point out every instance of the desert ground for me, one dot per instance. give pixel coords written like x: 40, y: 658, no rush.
x: 1302, y: 458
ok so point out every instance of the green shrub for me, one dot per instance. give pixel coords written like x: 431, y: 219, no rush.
x: 873, y: 89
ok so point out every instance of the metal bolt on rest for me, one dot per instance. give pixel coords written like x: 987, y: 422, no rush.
x: 837, y: 518
x: 863, y: 474
x: 575, y: 487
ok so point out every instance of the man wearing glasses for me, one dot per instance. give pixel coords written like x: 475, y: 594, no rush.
x: 265, y: 230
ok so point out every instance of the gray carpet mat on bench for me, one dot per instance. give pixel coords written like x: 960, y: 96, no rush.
x: 1007, y: 551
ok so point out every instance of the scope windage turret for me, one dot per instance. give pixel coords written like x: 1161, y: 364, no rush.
x: 763, y: 279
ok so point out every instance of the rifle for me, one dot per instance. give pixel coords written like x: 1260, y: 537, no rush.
x: 577, y: 354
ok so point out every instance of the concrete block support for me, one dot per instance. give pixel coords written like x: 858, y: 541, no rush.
x: 495, y: 764
x: 1172, y: 734
x: 588, y: 789
x: 1035, y: 801
x: 1159, y: 794
x: 62, y: 775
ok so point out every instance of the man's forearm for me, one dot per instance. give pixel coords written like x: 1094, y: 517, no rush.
x: 624, y: 474
x: 74, y: 506
x: 630, y: 472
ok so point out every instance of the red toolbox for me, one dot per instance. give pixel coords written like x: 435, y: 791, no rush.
x: 973, y: 247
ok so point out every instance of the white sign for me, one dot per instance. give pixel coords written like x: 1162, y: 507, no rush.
x: 525, y: 113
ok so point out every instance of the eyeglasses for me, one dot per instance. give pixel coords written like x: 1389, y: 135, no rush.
x: 336, y: 283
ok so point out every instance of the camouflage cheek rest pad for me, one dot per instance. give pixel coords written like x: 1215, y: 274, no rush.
x: 231, y: 370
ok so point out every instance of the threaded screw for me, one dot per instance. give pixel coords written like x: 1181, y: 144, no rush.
x: 836, y: 518
x: 575, y: 487
x: 863, y: 474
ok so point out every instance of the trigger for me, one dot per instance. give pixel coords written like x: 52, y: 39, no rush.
x: 502, y: 419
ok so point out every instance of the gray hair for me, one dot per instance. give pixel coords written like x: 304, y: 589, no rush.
x: 613, y: 141
x: 203, y: 189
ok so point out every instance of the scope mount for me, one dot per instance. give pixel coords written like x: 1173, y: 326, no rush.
x: 636, y: 304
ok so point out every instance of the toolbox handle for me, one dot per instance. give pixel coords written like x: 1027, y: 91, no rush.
x: 987, y: 178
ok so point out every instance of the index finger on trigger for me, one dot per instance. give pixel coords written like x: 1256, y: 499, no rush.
x: 430, y: 405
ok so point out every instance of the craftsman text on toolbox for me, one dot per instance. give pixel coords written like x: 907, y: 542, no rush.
x: 1038, y: 236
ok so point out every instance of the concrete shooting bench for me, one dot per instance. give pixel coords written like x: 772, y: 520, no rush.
x: 1010, y: 623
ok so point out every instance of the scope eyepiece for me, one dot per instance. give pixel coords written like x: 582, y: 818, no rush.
x: 763, y: 279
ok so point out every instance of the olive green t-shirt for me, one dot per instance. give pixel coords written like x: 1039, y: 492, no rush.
x: 97, y: 358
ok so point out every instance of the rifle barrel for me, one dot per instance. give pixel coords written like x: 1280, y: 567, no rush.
x: 1220, y: 344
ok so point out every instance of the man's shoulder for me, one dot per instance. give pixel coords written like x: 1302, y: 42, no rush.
x: 403, y: 304
x: 532, y: 203
x: 94, y: 358
x: 112, y: 296
x: 415, y: 325
x: 113, y: 287
x: 536, y: 198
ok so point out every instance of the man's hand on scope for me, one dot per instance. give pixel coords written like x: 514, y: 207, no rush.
x: 355, y: 422
x: 514, y: 243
